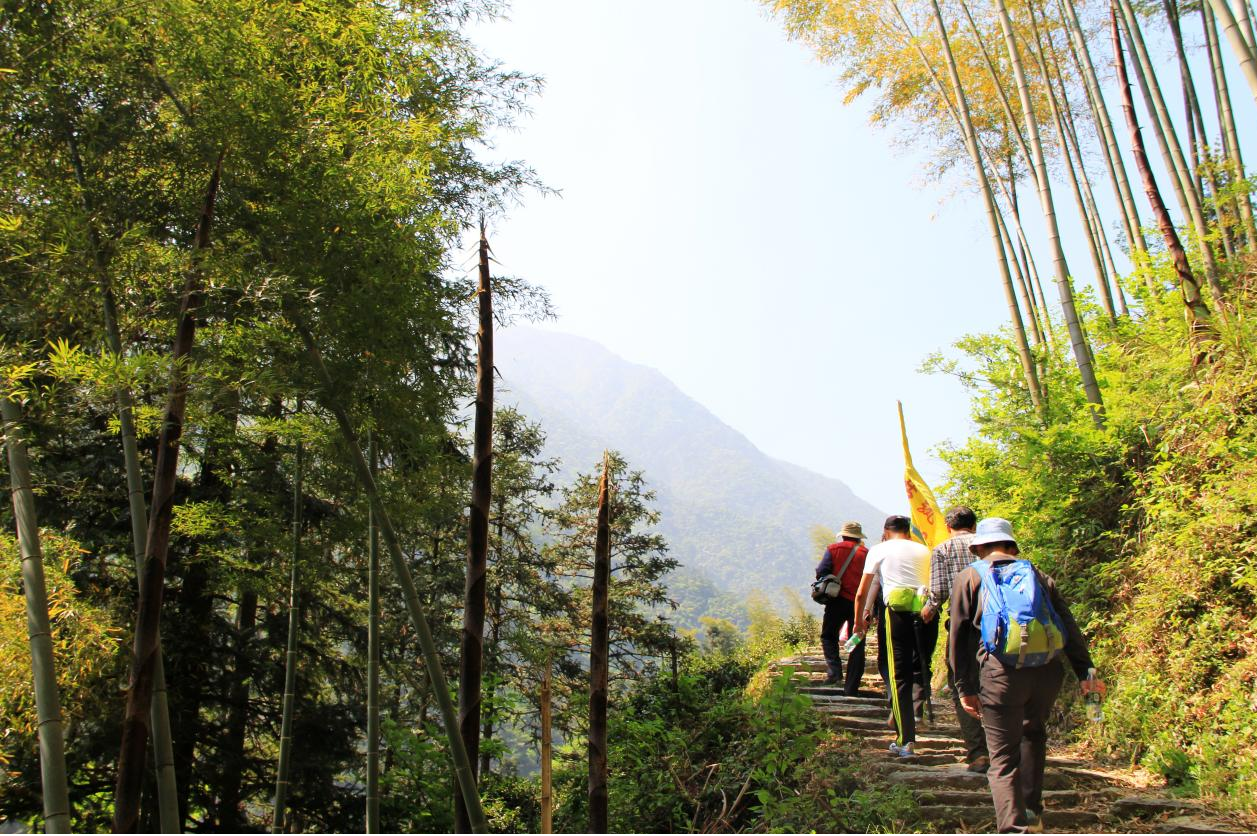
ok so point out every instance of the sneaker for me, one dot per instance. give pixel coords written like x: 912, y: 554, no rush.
x: 980, y: 765
x: 904, y: 751
x: 1034, y: 822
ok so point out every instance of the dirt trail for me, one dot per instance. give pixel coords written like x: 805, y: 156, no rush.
x: 1079, y: 796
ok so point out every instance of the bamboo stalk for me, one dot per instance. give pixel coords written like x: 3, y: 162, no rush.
x: 147, y: 641
x: 472, y: 656
x: 1099, y: 112
x: 373, y: 658
x: 279, y: 819
x: 1077, y: 337
x: 159, y: 716
x: 1146, y: 75
x: 432, y: 659
x: 1226, y: 118
x: 960, y: 110
x: 52, y: 770
x: 1200, y: 328
x: 599, y: 649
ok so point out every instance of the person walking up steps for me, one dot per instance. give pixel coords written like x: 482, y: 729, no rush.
x: 845, y: 559
x: 947, y: 561
x: 903, y: 566
x: 1009, y: 625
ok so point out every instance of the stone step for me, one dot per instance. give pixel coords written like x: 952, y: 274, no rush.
x: 820, y: 693
x: 853, y: 723
x: 852, y: 709
x: 955, y: 777
x: 1052, y: 799
x: 944, y: 817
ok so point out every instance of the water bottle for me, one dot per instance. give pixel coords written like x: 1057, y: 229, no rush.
x: 1095, y: 711
x: 853, y: 642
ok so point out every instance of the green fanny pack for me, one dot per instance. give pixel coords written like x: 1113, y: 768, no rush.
x: 905, y: 599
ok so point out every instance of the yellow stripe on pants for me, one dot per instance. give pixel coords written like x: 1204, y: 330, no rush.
x: 894, y: 686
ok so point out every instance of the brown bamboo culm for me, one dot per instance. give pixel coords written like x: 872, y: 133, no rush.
x: 135, y: 730
x: 472, y: 656
x: 1198, y: 318
x: 599, y: 658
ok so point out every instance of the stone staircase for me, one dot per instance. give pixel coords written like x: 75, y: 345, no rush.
x: 1079, y: 797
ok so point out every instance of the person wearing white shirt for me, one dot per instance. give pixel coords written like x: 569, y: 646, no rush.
x: 903, y: 567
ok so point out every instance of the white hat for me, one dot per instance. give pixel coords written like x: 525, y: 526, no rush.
x: 993, y: 530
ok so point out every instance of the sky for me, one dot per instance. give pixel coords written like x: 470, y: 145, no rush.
x: 724, y: 218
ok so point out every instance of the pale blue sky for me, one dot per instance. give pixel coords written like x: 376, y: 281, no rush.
x: 726, y: 220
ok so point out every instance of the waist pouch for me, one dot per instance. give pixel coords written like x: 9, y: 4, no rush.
x: 904, y: 599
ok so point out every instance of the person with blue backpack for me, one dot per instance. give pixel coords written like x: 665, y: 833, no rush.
x: 1009, y: 628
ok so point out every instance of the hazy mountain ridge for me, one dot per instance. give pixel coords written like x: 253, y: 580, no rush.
x: 735, y: 518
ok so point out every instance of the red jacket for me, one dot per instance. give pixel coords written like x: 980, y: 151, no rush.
x: 833, y: 558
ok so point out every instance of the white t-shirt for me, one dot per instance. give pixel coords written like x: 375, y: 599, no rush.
x: 901, y: 563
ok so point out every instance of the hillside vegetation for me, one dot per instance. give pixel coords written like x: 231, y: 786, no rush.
x: 1150, y: 523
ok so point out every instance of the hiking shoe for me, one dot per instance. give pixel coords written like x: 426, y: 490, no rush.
x: 1034, y: 822
x: 904, y: 751
x: 832, y: 681
x: 980, y: 765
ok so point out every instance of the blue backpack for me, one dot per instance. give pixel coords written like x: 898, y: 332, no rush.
x: 1019, y: 625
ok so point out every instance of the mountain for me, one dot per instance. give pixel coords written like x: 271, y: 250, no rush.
x: 738, y: 520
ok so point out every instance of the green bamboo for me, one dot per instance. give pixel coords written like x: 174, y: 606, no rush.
x: 1100, y: 115
x: 1077, y: 337
x: 432, y: 659
x: 960, y: 112
x: 279, y: 819
x: 1226, y: 119
x: 373, y: 658
x: 38, y: 629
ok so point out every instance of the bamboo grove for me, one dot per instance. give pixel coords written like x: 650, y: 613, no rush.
x: 239, y: 343
x: 1025, y: 97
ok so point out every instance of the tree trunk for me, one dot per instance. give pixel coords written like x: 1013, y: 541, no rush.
x: 472, y: 656
x: 599, y: 648
x: 163, y: 749
x: 52, y: 771
x: 279, y: 818
x: 1100, y: 113
x: 373, y: 658
x: 1226, y: 118
x: 1077, y: 337
x: 148, y: 616
x: 547, y: 799
x: 230, y: 781
x: 998, y: 85
x: 1200, y: 328
x: 432, y: 659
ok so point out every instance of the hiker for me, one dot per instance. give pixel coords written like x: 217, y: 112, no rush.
x: 1009, y: 678
x: 903, y: 566
x: 844, y: 559
x: 948, y: 560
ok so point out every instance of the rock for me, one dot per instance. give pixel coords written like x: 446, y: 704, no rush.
x: 1138, y: 806
x: 1193, y: 824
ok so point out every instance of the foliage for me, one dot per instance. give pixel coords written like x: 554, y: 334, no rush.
x: 1147, y: 524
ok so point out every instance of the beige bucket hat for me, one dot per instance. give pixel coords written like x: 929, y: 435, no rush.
x: 851, y: 529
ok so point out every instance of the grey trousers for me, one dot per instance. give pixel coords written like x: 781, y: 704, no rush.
x: 970, y: 727
x: 1015, y: 709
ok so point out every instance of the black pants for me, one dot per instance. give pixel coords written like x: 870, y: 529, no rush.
x: 1015, y: 709
x: 970, y: 726
x: 838, y: 613
x: 910, y: 647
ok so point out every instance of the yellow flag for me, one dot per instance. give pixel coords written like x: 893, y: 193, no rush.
x: 927, y: 521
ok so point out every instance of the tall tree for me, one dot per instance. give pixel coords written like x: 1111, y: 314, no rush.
x: 373, y: 658
x: 1226, y: 119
